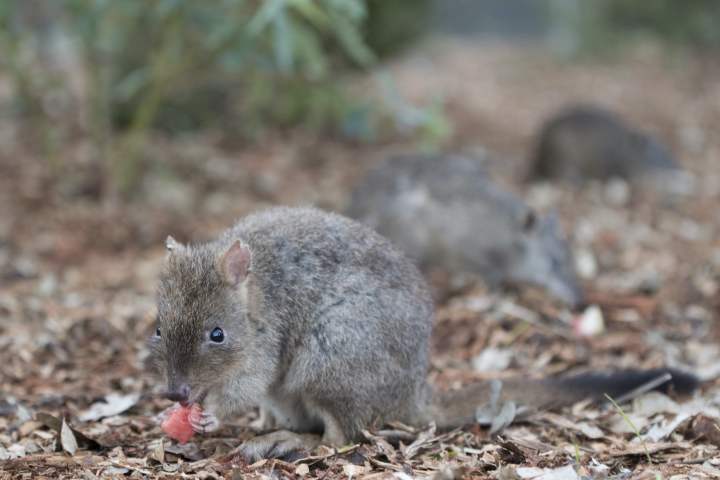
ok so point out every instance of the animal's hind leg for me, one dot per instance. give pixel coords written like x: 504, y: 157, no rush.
x: 333, y: 432
x: 278, y: 444
x: 265, y: 420
x: 287, y: 444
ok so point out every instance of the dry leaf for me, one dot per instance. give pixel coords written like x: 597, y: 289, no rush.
x: 423, y: 440
x: 15, y: 450
x: 633, y: 449
x: 590, y: 431
x: 158, y: 452
x: 353, y: 470
x: 706, y: 428
x: 67, y: 439
x: 493, y: 360
x: 563, y: 473
x: 113, y: 470
x: 188, y: 451
x: 620, y: 425
x: 653, y: 403
x: 302, y: 469
x: 28, y: 427
x: 114, y: 404
x: 589, y: 323
x: 56, y: 424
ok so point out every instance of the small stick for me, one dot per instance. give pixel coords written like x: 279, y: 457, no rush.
x: 646, y: 387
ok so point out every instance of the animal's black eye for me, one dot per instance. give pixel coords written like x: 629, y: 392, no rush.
x: 157, y: 332
x: 217, y: 335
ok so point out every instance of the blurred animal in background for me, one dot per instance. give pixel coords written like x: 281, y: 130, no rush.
x: 446, y: 213
x: 584, y: 142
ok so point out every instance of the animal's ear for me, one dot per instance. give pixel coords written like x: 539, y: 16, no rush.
x: 173, y: 245
x: 235, y: 263
x: 529, y: 221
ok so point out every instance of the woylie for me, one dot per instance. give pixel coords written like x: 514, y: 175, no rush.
x: 447, y: 214
x: 584, y: 142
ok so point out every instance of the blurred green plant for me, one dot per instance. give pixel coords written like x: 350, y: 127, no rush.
x: 608, y: 26
x: 181, y: 65
x: 692, y: 23
x: 396, y: 24
x: 429, y: 122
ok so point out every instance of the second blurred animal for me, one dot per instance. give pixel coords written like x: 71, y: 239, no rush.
x: 583, y: 142
x: 447, y: 214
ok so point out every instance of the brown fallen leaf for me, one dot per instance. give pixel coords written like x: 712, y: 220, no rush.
x: 67, y: 438
x: 424, y: 439
x: 638, y: 449
x: 705, y: 428
x: 28, y: 427
x: 353, y: 470
x: 643, y: 304
x: 113, y: 404
x: 302, y: 470
x: 382, y: 445
x: 188, y: 451
x: 158, y: 452
x: 60, y: 461
x: 590, y: 431
x: 56, y: 424
x: 510, y: 453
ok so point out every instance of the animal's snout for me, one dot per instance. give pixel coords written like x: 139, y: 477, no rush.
x: 179, y: 393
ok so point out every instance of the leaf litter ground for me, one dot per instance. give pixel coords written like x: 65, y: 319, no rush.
x: 76, y: 300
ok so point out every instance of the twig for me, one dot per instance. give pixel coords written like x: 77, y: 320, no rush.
x: 513, y: 310
x: 696, y: 461
x: 645, y: 387
x: 130, y: 467
x: 316, y: 458
x: 386, y: 465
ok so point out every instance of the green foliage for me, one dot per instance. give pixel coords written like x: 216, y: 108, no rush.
x: 393, y: 25
x: 607, y: 26
x: 208, y: 51
x: 691, y: 23
x: 178, y: 63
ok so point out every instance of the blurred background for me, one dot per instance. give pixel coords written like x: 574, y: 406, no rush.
x: 123, y: 122
x: 204, y: 109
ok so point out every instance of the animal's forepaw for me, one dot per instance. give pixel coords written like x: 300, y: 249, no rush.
x: 203, y: 422
x: 281, y: 444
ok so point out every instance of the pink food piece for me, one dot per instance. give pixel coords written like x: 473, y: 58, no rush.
x: 177, y: 424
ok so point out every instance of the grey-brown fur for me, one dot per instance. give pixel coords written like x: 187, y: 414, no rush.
x: 583, y: 142
x: 447, y: 214
x: 331, y: 306
x: 327, y: 328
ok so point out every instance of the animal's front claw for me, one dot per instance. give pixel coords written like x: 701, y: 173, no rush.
x: 203, y: 422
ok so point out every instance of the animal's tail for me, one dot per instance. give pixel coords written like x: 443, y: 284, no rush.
x: 450, y: 409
